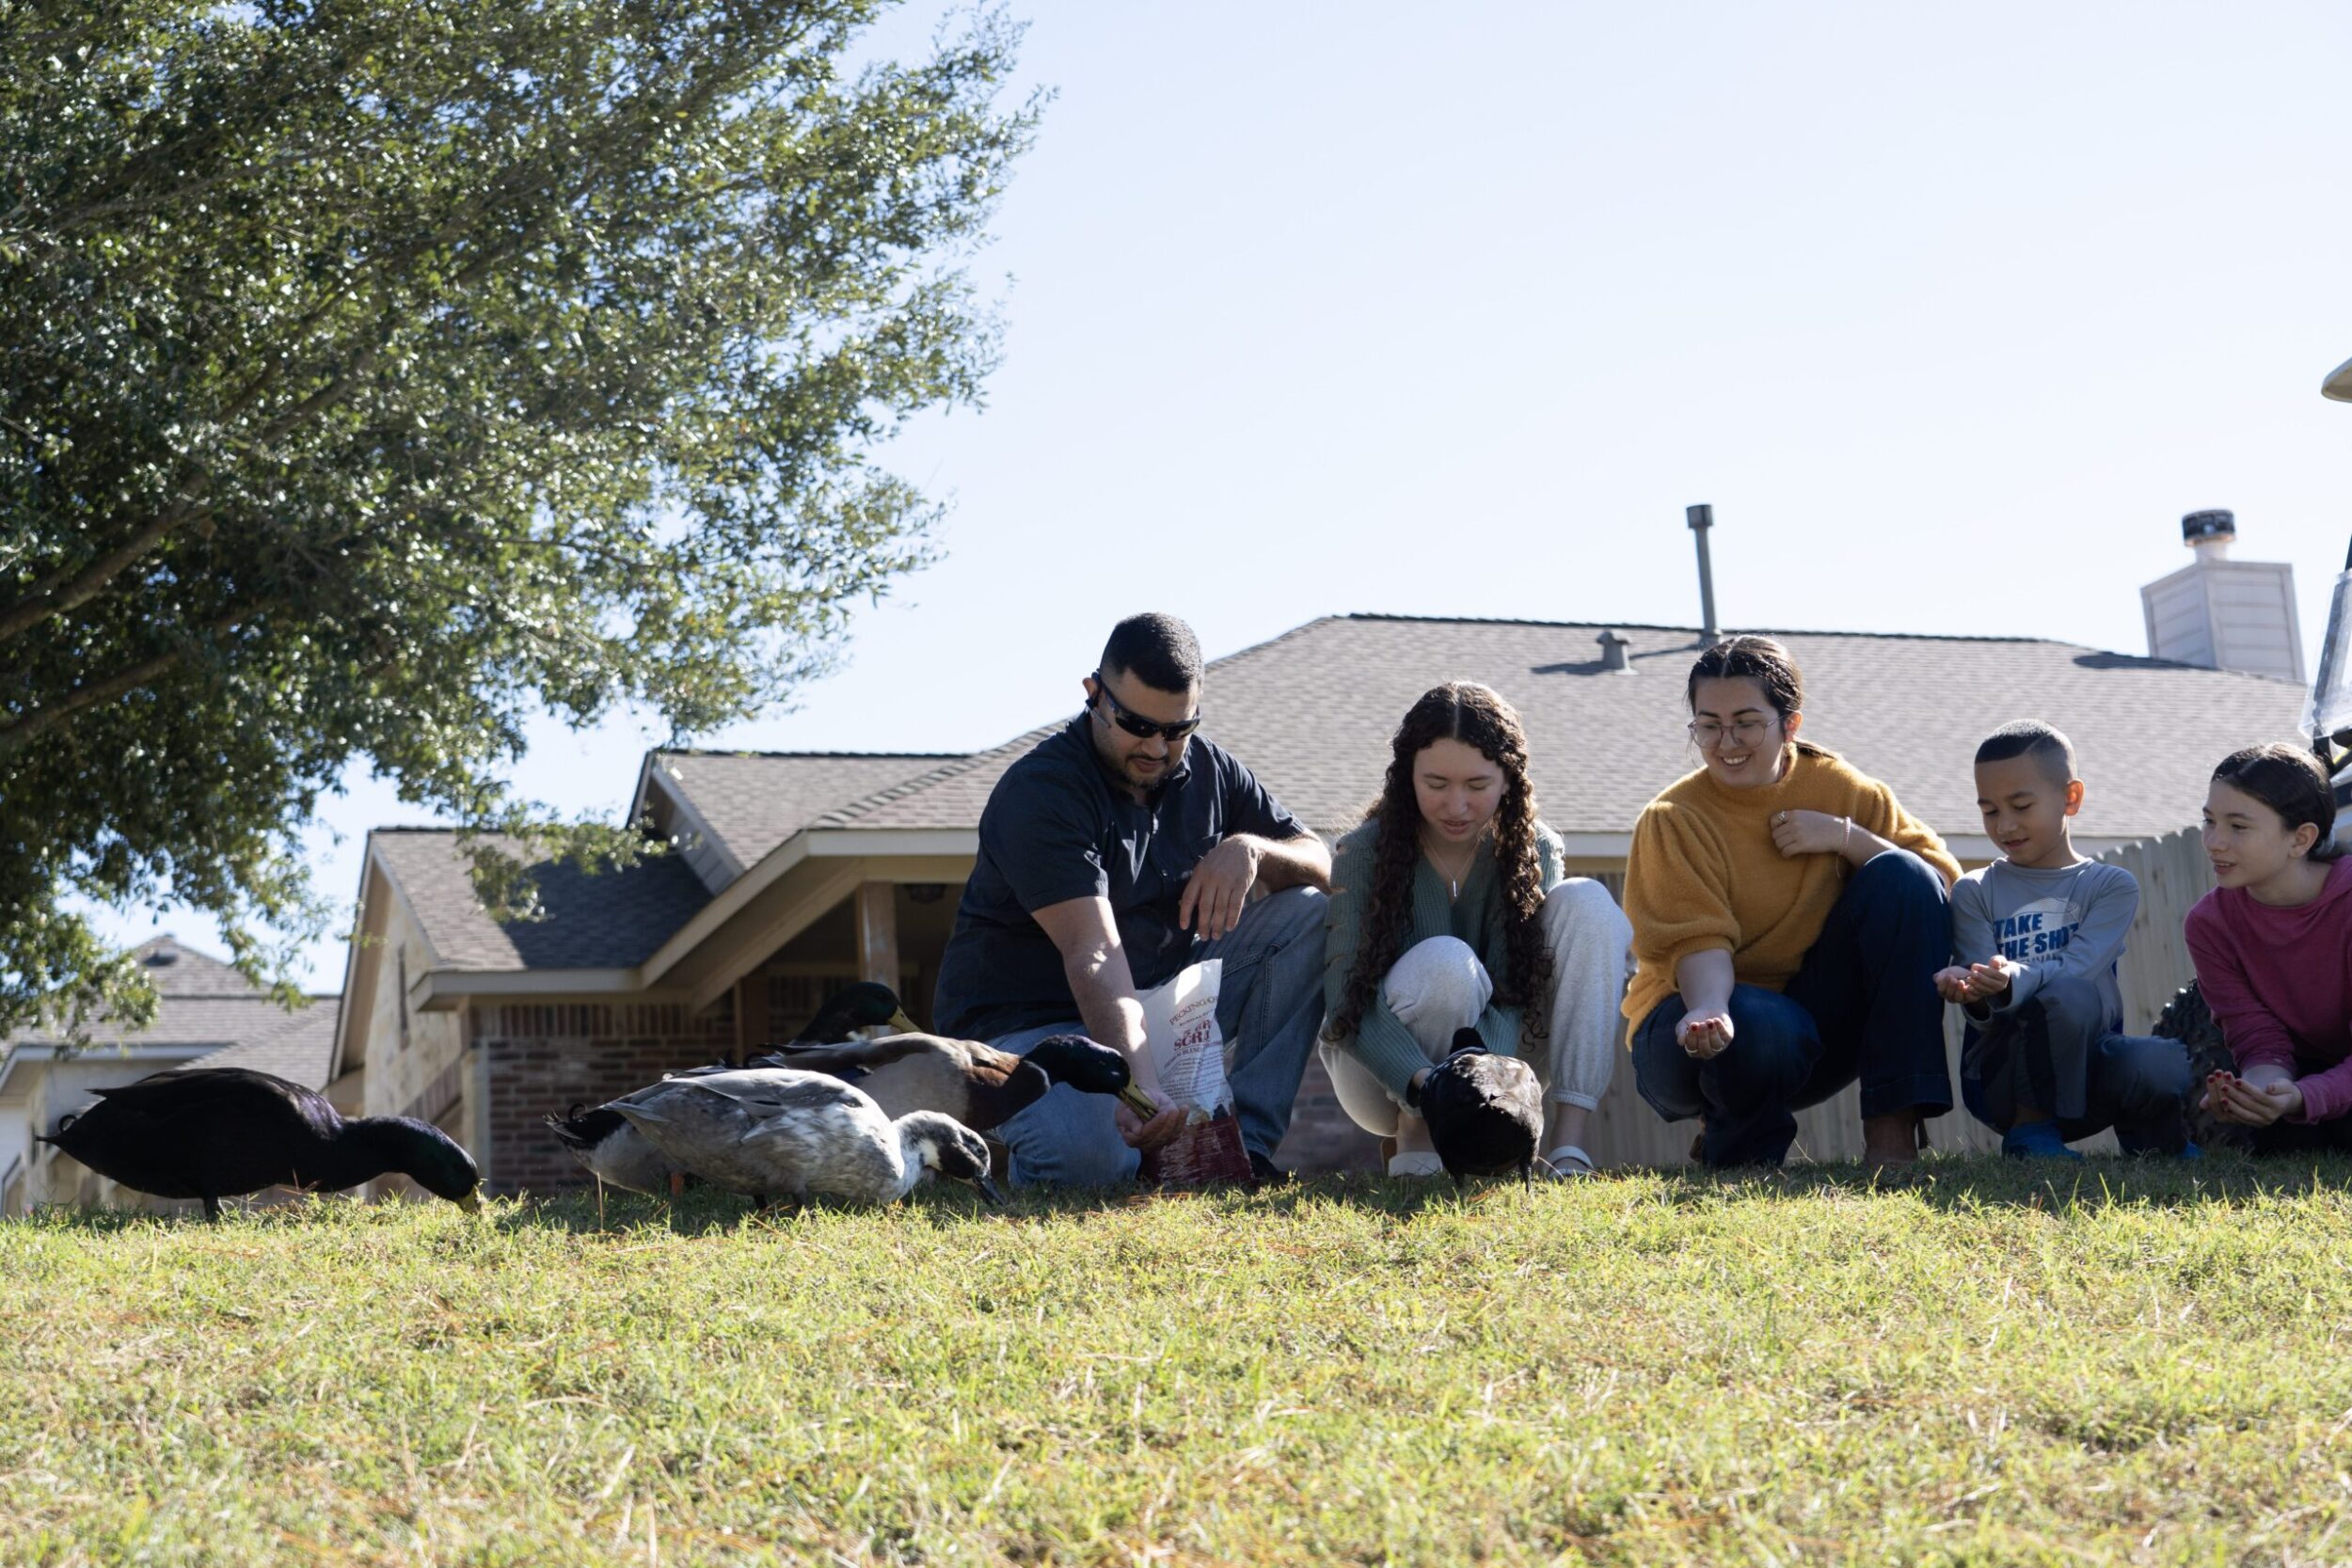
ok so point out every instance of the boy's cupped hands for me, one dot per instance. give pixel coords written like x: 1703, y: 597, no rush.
x: 1965, y: 983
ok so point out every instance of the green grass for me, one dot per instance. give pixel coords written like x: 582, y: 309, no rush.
x: 2136, y: 1363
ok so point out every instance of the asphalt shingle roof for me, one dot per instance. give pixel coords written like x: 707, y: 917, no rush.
x: 604, y: 920
x: 206, y: 1005
x: 1312, y: 713
x: 754, y: 801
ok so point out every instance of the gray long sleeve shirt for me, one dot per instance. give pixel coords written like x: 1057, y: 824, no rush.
x: 2063, y: 924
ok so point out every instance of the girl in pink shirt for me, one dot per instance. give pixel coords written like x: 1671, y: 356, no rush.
x: 2273, y: 948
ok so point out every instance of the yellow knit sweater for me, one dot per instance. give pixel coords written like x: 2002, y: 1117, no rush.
x: 1704, y: 874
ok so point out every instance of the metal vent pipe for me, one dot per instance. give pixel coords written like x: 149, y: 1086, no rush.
x: 1702, y: 517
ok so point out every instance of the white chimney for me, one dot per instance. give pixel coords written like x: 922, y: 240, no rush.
x: 2222, y: 613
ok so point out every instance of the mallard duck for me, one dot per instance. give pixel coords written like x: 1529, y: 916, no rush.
x: 215, y: 1133
x: 978, y: 1085
x: 617, y: 1155
x: 775, y: 1133
x: 1485, y: 1112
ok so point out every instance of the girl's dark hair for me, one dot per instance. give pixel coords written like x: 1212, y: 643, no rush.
x: 1479, y: 718
x: 2289, y: 781
x: 1763, y: 660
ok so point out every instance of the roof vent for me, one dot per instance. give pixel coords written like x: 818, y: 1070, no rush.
x: 2222, y: 613
x: 2210, y: 531
x: 1612, y: 649
x: 163, y: 954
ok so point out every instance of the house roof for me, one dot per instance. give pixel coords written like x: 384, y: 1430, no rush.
x: 1312, y: 713
x: 751, y: 801
x: 219, y: 1018
x: 601, y: 920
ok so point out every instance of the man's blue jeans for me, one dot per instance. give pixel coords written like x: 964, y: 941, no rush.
x: 1269, y: 1004
x: 1863, y: 1004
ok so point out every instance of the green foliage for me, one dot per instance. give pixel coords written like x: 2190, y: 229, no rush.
x: 2142, y: 1363
x: 376, y: 375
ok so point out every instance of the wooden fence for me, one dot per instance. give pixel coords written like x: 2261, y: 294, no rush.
x: 2173, y: 874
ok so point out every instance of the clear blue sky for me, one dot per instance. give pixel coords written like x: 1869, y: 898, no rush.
x: 1951, y: 312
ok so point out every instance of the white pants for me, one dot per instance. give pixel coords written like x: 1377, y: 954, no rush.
x: 1439, y: 986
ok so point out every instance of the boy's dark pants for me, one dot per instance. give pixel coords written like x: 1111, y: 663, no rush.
x: 2059, y: 1053
x: 1863, y: 1004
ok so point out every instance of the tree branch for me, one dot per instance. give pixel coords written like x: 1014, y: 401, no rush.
x: 24, y: 730
x: 58, y: 593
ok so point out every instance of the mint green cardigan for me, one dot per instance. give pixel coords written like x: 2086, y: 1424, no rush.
x: 1381, y: 1041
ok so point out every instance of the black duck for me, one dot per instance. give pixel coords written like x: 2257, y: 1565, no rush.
x: 1485, y: 1112
x: 215, y: 1133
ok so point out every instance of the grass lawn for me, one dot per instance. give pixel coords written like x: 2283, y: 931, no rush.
x: 2129, y: 1362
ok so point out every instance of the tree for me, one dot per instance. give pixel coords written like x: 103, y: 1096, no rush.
x: 377, y: 373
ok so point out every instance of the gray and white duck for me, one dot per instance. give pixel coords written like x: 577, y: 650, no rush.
x: 780, y: 1135
x: 617, y: 1155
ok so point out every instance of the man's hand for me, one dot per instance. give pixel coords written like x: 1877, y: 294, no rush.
x: 1952, y: 984
x: 1219, y: 888
x: 1704, y: 1035
x: 1140, y: 1133
x: 1809, y: 832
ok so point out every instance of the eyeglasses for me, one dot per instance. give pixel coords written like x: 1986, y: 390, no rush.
x: 1746, y: 732
x: 1137, y: 724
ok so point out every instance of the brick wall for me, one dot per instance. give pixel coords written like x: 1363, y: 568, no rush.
x: 544, y: 1058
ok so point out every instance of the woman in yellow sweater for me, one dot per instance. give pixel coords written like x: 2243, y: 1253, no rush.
x: 1789, y: 918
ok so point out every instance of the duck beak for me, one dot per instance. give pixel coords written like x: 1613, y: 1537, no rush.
x: 987, y: 1189
x: 1139, y: 1102
x: 903, y: 1025
x: 471, y: 1202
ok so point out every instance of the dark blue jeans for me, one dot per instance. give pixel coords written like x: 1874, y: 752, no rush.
x: 2060, y: 1053
x: 1863, y: 1004
x: 1269, y: 1004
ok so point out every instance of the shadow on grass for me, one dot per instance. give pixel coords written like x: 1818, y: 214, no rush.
x: 1978, y: 1181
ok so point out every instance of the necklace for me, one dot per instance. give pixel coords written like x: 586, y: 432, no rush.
x: 1453, y: 875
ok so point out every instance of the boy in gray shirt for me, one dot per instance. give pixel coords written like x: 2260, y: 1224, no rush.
x: 2037, y: 933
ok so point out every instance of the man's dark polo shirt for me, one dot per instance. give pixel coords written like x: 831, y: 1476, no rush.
x: 1059, y: 827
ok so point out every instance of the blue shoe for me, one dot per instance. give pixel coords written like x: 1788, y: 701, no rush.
x: 2140, y: 1143
x: 2036, y: 1140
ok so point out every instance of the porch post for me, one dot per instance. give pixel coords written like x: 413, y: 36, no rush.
x: 751, y: 1013
x: 877, y: 933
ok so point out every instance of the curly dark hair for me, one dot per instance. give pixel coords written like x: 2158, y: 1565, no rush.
x: 1479, y: 718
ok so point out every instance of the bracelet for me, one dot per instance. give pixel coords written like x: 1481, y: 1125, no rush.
x: 1845, y: 840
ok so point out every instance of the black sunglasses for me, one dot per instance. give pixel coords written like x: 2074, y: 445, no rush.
x: 1137, y: 724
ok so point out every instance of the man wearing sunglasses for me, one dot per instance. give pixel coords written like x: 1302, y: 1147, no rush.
x: 1118, y: 850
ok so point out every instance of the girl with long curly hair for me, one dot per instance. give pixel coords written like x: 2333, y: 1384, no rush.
x: 1789, y: 918
x: 1451, y: 908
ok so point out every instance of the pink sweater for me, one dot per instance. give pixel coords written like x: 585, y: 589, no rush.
x: 2279, y: 982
